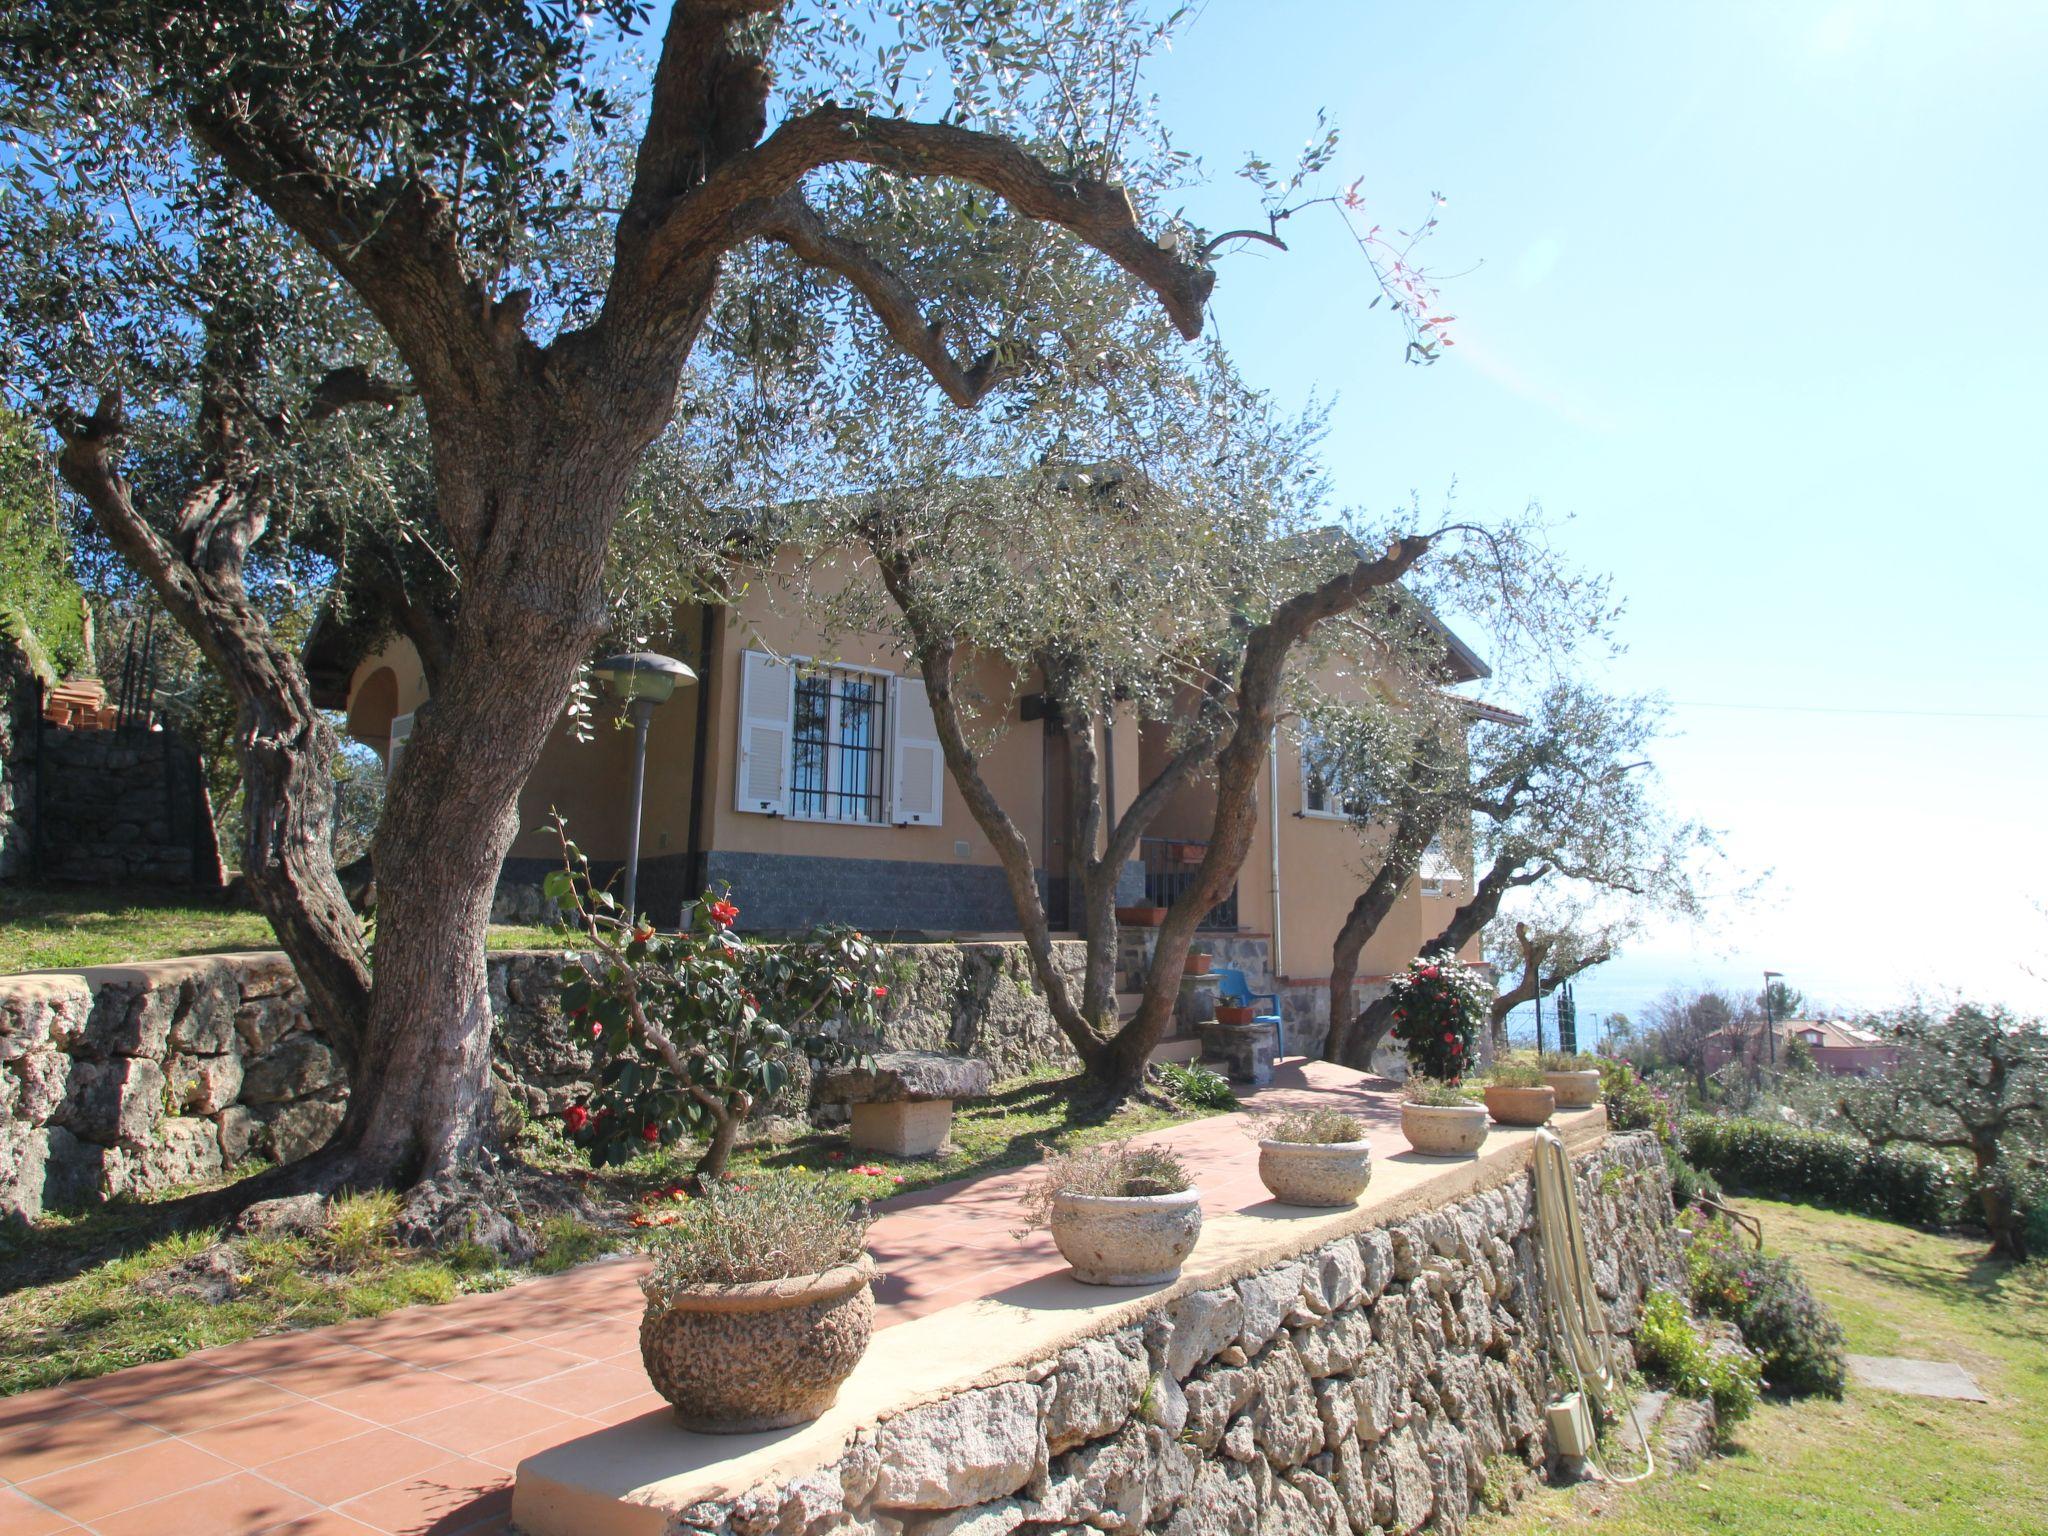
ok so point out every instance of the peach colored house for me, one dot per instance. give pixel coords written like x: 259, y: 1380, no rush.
x: 1839, y: 1049
x: 807, y: 776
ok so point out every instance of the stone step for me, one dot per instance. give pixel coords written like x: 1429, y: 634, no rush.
x: 1182, y: 1051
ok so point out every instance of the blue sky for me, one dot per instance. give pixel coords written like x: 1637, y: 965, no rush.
x: 1759, y: 303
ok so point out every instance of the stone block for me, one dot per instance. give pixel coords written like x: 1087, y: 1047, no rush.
x: 23, y: 1150
x: 293, y: 1131
x: 1243, y: 1052
x: 71, y: 1170
x: 184, y: 1151
x: 204, y: 1085
x: 299, y: 1066
x: 262, y: 1022
x: 906, y: 1077
x: 1199, y: 1325
x: 109, y: 1101
x: 204, y: 1023
x: 903, y: 1129
x: 969, y: 1449
x: 1095, y: 1388
x: 239, y: 1133
x: 42, y: 1013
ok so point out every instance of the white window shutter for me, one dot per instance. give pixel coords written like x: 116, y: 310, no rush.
x: 767, y: 696
x: 401, y: 732
x: 919, y: 771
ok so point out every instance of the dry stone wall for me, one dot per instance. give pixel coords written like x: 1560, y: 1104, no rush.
x: 124, y: 1080
x: 1370, y: 1387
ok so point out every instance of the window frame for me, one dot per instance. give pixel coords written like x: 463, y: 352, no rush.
x: 883, y: 796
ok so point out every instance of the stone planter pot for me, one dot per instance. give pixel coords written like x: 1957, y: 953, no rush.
x: 1444, y: 1130
x: 1232, y: 1013
x: 1126, y: 1239
x: 1575, y: 1090
x: 1315, y: 1173
x: 1521, y: 1106
x: 1141, y: 917
x: 764, y: 1355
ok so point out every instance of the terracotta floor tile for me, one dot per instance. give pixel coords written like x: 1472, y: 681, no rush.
x: 596, y: 1341
x: 326, y: 1522
x: 220, y: 1401
x: 406, y: 1394
x: 446, y: 1498
x: 475, y: 1427
x: 515, y: 1366
x: 331, y: 1373
x: 303, y: 1425
x: 22, y: 1516
x: 332, y: 1473
x: 114, y: 1483
x: 586, y: 1389
x: 34, y: 1450
x: 439, y: 1350
x: 273, y: 1352
x: 510, y: 1453
x: 44, y: 1406
x: 234, y: 1506
x: 636, y: 1406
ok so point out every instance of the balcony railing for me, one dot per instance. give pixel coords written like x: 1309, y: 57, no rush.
x: 1170, y: 866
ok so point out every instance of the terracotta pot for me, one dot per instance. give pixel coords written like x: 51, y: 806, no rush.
x: 1444, y: 1130
x: 1198, y: 965
x: 1315, y: 1173
x: 1231, y: 1013
x: 763, y: 1355
x: 1141, y: 917
x: 1521, y: 1106
x: 1126, y: 1239
x: 1575, y: 1090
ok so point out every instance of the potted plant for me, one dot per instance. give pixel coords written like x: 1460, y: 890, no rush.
x: 1441, y: 1119
x: 1516, y: 1094
x: 1199, y: 961
x: 759, y: 1303
x: 1141, y: 917
x: 1574, y: 1076
x: 1120, y: 1214
x: 1438, y: 1005
x: 1235, y: 1013
x: 1314, y: 1157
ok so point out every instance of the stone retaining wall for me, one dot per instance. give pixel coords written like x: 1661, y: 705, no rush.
x: 132, y: 1079
x: 1374, y: 1385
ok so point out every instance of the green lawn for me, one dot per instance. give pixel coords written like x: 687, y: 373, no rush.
x: 63, y: 927
x: 1875, y: 1464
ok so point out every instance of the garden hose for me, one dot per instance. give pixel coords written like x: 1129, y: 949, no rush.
x: 1570, y: 1295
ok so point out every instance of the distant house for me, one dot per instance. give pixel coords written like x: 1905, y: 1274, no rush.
x: 1838, y: 1048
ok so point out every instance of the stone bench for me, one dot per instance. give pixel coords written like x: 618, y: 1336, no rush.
x: 902, y: 1101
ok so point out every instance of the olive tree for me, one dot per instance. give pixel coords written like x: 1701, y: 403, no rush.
x: 1974, y: 1081
x: 414, y: 147
x: 1569, y: 799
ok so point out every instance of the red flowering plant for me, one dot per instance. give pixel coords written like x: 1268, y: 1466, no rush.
x: 1439, y: 1006
x: 692, y: 1029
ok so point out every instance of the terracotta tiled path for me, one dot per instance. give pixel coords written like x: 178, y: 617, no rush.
x: 414, y: 1422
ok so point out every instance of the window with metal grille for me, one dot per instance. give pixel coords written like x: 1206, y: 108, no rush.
x: 837, y: 745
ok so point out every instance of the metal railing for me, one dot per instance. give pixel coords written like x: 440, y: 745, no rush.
x: 1170, y: 867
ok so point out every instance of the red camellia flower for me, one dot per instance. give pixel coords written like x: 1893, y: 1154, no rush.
x: 644, y: 932
x: 724, y: 913
x: 650, y: 1132
x: 1449, y: 1038
x: 881, y: 991
x: 596, y: 1029
x: 1431, y: 972
x: 575, y: 1117
x: 1457, y: 1048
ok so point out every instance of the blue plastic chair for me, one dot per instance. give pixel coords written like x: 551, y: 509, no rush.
x: 1232, y: 988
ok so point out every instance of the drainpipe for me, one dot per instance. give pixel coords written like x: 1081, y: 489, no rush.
x: 1273, y: 804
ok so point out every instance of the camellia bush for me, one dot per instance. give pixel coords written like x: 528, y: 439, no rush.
x: 692, y: 1029
x: 1439, y: 1008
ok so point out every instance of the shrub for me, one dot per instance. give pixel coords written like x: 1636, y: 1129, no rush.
x: 1688, y: 1183
x: 1569, y: 1061
x: 1107, y: 1168
x: 1438, y: 1008
x: 1197, y: 1086
x: 1669, y: 1348
x: 1792, y: 1333
x: 1632, y: 1104
x: 1317, y: 1127
x: 768, y: 1226
x: 693, y: 1030
x: 1437, y: 1094
x: 1788, y: 1162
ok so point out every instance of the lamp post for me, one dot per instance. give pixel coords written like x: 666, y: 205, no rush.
x: 1770, y: 1024
x: 641, y: 680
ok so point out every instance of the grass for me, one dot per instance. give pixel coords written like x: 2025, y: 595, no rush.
x: 182, y: 1293
x: 54, y: 927
x: 1875, y: 1464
